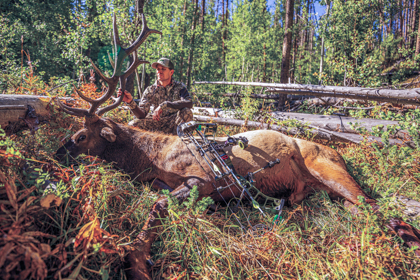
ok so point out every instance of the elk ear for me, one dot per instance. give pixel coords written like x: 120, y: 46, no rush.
x: 108, y: 134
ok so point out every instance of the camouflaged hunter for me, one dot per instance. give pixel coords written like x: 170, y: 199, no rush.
x: 165, y: 104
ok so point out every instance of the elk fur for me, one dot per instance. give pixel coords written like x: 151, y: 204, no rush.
x: 304, y: 167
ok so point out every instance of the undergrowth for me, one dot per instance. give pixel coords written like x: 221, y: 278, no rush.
x: 78, y: 221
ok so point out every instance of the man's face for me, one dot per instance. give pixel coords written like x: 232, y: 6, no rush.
x: 163, y: 73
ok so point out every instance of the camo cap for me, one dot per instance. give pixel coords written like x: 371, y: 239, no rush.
x: 165, y: 62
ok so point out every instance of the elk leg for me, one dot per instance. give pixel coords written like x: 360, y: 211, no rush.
x: 160, y: 185
x: 136, y: 260
x: 408, y: 233
x: 328, y: 167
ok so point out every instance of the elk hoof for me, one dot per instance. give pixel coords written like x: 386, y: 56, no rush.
x: 351, y: 207
x: 406, y: 232
x: 137, y: 268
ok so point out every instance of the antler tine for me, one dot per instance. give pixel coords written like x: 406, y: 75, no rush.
x: 145, y: 32
x: 106, y: 79
x: 103, y: 110
x: 117, y: 42
x: 72, y: 111
x: 111, y: 89
x: 85, y: 98
x: 134, y: 65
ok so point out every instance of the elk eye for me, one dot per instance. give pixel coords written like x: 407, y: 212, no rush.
x: 81, y: 138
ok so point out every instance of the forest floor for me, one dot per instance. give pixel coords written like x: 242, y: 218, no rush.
x: 78, y: 221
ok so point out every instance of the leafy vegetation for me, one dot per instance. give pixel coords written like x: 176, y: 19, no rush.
x: 368, y: 43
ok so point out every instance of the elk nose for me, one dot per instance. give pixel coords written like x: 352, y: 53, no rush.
x: 62, y: 152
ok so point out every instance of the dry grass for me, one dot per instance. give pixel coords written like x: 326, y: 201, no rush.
x: 84, y: 227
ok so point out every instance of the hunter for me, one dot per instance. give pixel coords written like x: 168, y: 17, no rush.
x: 164, y: 105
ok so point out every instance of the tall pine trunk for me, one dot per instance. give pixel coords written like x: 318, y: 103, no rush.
x: 414, y: 23
x: 203, y: 13
x: 418, y: 36
x: 400, y: 28
x: 191, y: 55
x: 287, y: 45
x: 321, y: 63
x: 181, y: 63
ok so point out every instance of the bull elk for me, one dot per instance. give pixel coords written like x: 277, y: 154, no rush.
x: 304, y: 166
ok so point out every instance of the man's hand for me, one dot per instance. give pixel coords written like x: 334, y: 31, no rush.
x: 127, y: 96
x: 157, y: 113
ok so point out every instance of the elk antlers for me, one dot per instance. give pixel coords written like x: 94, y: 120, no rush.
x: 118, y: 76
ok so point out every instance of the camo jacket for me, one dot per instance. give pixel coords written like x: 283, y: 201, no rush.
x: 155, y: 94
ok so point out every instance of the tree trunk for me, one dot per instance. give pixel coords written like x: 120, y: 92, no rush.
x: 295, y: 45
x: 287, y: 44
x: 223, y: 33
x: 224, y: 29
x: 181, y: 63
x: 414, y: 24
x: 203, y: 13
x: 321, y: 63
x: 265, y: 64
x: 129, y: 85
x: 139, y: 6
x: 405, y: 21
x: 191, y: 55
x: 418, y: 35
x: 400, y: 28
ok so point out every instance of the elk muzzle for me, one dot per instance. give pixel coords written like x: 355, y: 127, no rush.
x: 65, y: 151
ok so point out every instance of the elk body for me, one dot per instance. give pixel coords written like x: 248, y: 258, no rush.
x: 304, y: 166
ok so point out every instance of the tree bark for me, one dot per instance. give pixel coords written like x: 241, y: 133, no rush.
x: 400, y: 28
x: 223, y: 33
x: 181, y: 63
x: 287, y: 45
x: 129, y: 85
x: 191, y: 55
x: 264, y: 63
x: 203, y: 13
x: 295, y: 40
x: 414, y: 23
x: 321, y: 63
x: 418, y: 35
x: 224, y: 29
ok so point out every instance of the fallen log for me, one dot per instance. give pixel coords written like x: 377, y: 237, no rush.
x: 313, y: 132
x: 340, y: 123
x: 411, y: 96
x: 332, y: 123
x: 20, y: 112
x: 252, y: 95
x: 410, y: 101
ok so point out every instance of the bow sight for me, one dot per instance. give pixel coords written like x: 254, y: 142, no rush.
x: 222, y: 168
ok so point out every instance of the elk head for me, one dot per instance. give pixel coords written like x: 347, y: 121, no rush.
x: 97, y: 132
